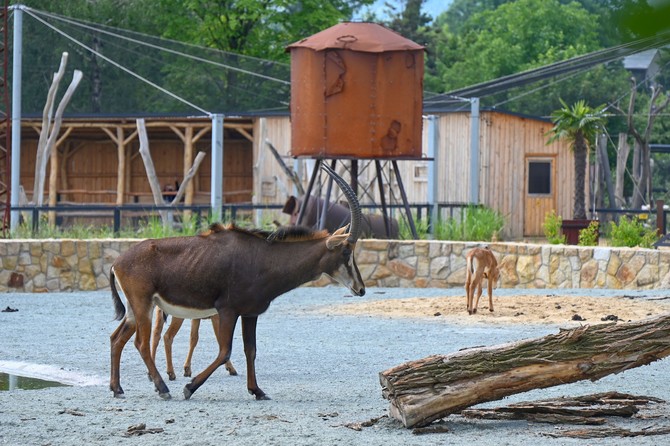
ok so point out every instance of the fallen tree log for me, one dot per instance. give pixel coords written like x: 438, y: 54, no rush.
x: 428, y: 389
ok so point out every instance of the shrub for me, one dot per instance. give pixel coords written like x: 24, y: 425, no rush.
x: 589, y: 236
x: 631, y: 232
x: 476, y: 223
x: 552, y: 228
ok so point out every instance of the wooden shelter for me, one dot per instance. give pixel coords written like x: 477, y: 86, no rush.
x: 97, y: 161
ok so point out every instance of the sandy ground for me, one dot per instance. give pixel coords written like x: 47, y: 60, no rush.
x: 549, y: 308
x: 320, y: 351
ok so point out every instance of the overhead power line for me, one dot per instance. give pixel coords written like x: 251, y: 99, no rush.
x: 574, y: 64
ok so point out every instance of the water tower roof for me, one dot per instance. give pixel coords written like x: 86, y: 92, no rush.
x: 357, y: 36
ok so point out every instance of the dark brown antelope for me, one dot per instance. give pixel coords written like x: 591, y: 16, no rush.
x: 168, y: 338
x: 227, y: 271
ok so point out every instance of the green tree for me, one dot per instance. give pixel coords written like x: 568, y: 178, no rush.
x: 578, y: 125
x: 478, y: 41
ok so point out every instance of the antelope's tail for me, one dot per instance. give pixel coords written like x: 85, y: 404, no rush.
x: 119, y: 308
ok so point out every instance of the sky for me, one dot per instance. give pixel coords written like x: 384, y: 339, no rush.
x: 432, y: 7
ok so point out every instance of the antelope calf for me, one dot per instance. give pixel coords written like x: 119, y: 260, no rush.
x: 168, y: 338
x: 480, y: 264
x: 229, y: 272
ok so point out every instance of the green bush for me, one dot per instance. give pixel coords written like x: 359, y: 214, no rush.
x: 631, y: 232
x: 476, y: 223
x: 589, y: 236
x: 552, y: 228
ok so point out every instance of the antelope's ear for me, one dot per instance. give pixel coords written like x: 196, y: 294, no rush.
x: 336, y: 239
x: 342, y: 230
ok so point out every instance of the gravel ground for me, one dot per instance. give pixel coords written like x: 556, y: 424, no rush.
x: 321, y: 371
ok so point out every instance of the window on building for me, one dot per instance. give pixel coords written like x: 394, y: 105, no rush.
x: 539, y: 177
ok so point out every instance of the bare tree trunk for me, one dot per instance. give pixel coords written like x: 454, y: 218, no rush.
x: 428, y: 389
x: 50, y: 129
x: 153, y: 179
x: 623, y: 150
x: 601, y: 150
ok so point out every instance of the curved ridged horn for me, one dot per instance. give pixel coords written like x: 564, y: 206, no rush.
x: 354, y: 205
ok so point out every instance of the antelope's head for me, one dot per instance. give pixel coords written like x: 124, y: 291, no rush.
x: 343, y: 241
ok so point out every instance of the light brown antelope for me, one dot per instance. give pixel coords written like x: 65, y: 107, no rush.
x: 227, y: 271
x: 168, y: 338
x: 480, y: 264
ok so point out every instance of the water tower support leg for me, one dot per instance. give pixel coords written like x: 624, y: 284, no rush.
x: 382, y: 198
x: 308, y: 192
x: 408, y: 211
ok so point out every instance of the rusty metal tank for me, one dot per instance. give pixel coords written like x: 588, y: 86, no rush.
x: 356, y: 92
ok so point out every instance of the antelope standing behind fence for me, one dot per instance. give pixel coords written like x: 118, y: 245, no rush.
x: 228, y: 271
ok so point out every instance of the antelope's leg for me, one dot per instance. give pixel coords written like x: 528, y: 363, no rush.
x: 478, y: 279
x: 490, y: 286
x: 159, y: 322
x: 249, y: 338
x: 468, y: 293
x: 195, y: 329
x: 143, y: 341
x: 118, y: 340
x: 227, y: 321
x: 229, y: 365
x: 168, y: 339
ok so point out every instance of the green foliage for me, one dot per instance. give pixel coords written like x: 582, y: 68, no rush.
x: 405, y: 232
x: 552, y: 228
x: 476, y: 223
x: 589, y: 236
x: 632, y: 232
x: 578, y: 125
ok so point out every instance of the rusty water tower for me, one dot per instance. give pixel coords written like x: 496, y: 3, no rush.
x: 357, y: 94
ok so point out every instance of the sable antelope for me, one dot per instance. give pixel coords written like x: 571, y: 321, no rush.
x: 372, y: 225
x: 173, y: 329
x: 227, y: 271
x: 480, y: 264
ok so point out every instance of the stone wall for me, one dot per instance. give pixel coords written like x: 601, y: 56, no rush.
x: 83, y: 265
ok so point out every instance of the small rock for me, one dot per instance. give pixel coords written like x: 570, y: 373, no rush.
x: 10, y: 310
x: 576, y: 317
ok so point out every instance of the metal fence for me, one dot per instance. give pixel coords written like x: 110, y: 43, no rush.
x: 131, y: 216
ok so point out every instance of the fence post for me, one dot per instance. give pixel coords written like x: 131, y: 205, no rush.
x: 660, y: 217
x: 117, y: 221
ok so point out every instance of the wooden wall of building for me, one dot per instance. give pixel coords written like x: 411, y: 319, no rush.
x: 506, y: 143
x: 88, y: 163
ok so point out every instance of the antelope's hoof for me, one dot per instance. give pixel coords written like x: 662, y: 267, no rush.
x: 231, y: 371
x: 263, y: 398
x: 119, y: 394
x: 187, y: 372
x: 474, y: 311
x: 165, y: 395
x: 491, y: 310
x: 187, y: 392
x: 171, y: 376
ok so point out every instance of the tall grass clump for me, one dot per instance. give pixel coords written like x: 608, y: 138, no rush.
x: 476, y: 223
x: 552, y: 228
x: 631, y: 232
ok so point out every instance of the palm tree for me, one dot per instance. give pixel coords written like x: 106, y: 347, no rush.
x: 579, y: 125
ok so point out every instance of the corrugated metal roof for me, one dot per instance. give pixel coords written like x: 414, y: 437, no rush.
x: 641, y: 60
x: 357, y: 36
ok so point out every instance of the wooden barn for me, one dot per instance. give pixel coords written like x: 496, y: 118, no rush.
x: 516, y: 172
